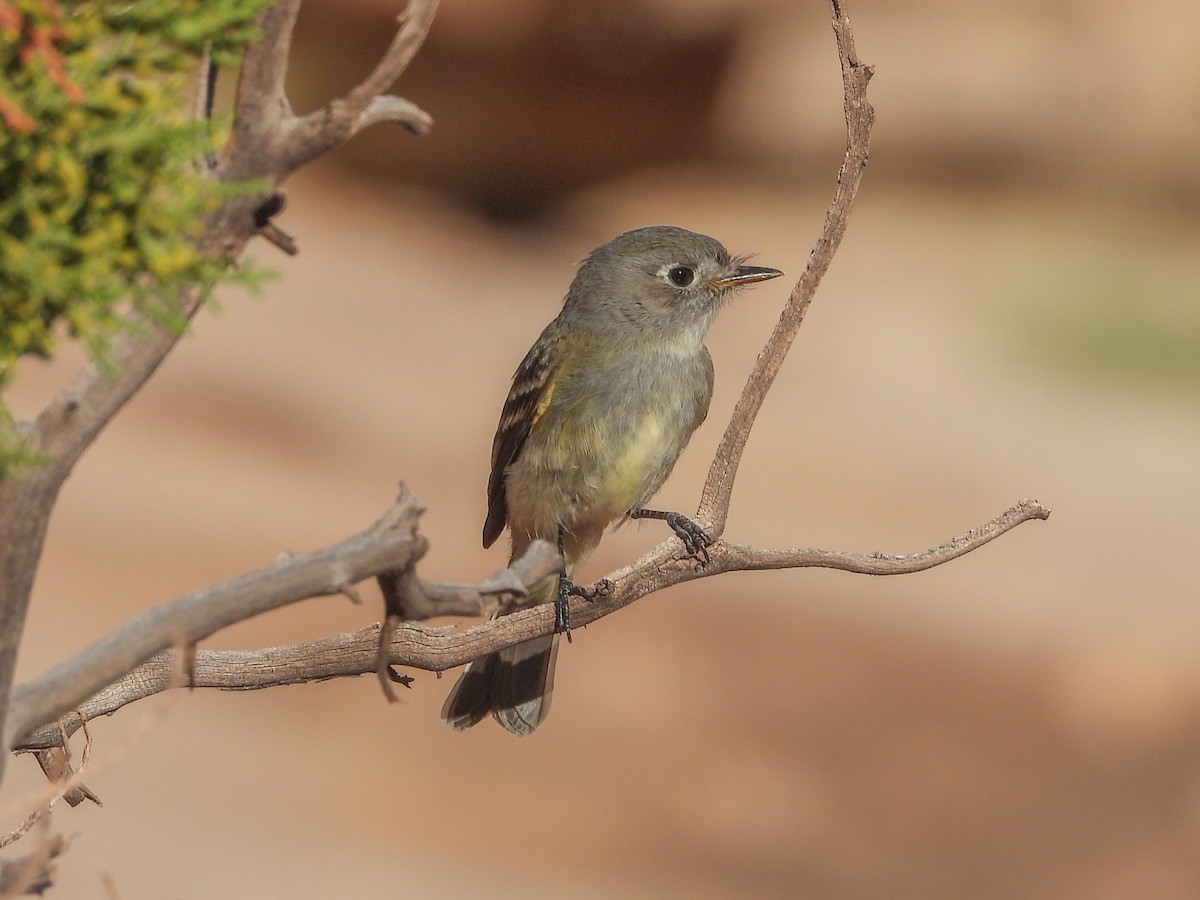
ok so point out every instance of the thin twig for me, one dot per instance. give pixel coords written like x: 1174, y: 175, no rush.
x: 389, y: 108
x: 366, y: 104
x: 718, y: 488
x: 66, y: 782
x: 414, y: 599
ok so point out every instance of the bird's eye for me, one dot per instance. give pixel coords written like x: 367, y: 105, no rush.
x: 681, y: 276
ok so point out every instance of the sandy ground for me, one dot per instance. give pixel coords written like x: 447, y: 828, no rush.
x: 1023, y: 722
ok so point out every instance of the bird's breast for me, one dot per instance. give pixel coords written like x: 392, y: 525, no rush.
x: 606, y: 443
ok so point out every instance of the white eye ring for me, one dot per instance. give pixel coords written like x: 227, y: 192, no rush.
x: 679, y: 276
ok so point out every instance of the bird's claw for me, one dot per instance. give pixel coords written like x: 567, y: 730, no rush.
x: 562, y: 603
x: 601, y: 588
x: 694, y: 538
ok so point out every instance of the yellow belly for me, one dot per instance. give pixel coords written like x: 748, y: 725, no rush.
x: 635, y: 469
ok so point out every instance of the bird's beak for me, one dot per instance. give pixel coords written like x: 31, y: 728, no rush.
x: 744, y: 275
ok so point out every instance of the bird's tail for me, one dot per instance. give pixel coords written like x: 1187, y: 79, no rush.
x: 513, y: 684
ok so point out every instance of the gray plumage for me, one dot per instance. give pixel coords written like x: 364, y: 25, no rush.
x: 598, y: 413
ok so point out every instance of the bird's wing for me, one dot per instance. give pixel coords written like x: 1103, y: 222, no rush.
x: 532, y: 388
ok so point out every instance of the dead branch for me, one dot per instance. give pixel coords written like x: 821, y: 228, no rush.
x: 437, y: 649
x: 416, y: 599
x: 270, y: 140
x: 714, y: 499
x: 366, y: 104
x: 392, y: 542
x: 64, y: 783
x: 338, y: 656
x: 56, y: 765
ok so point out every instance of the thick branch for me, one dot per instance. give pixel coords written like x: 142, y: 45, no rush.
x: 392, y: 542
x: 714, y: 500
x: 435, y: 649
x: 61, y: 433
x: 77, y: 414
x: 338, y: 656
x: 261, y: 110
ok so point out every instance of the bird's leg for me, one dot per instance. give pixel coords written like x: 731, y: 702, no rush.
x: 562, y: 601
x: 694, y: 538
x: 568, y: 589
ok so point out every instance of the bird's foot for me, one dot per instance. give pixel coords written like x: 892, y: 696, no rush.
x: 694, y: 538
x: 601, y: 588
x: 562, y: 603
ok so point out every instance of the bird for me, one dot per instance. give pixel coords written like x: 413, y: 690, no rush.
x: 599, y: 411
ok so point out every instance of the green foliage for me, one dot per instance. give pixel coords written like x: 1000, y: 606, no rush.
x: 100, y: 200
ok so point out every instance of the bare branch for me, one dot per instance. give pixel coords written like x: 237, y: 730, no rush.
x: 414, y: 25
x: 392, y: 542
x: 339, y: 656
x: 663, y: 567
x: 714, y: 499
x: 416, y: 599
x: 408, y: 598
x: 437, y: 649
x: 389, y: 108
x: 366, y: 103
x: 737, y: 558
x: 62, y: 432
x: 73, y: 418
x: 56, y: 766
x: 260, y: 108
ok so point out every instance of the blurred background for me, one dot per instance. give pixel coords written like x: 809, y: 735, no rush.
x: 1013, y: 313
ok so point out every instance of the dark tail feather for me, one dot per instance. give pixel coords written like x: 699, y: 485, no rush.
x: 471, y: 699
x: 523, y: 683
x: 514, y: 685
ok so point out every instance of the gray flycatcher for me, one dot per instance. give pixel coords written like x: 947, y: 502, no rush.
x: 598, y: 413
